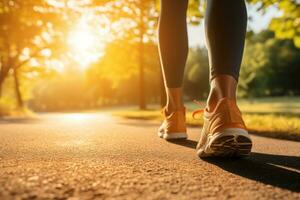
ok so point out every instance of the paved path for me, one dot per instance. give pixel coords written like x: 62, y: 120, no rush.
x: 96, y: 156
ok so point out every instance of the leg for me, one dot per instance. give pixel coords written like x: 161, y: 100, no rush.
x: 224, y: 132
x: 225, y: 27
x: 173, y: 49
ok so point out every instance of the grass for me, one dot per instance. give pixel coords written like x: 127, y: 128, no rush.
x: 8, y: 108
x: 271, y: 117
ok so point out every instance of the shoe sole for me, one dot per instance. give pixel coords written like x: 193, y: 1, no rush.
x: 172, y: 136
x: 231, y: 142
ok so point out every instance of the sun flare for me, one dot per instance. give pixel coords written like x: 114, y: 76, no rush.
x: 86, y: 44
x: 82, y: 40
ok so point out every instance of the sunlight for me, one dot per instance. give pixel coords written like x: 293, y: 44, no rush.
x: 70, y: 3
x: 82, y: 39
x: 78, y: 117
x: 85, y: 117
x: 86, y: 43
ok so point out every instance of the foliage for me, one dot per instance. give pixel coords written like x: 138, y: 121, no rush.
x: 61, y: 93
x: 34, y: 46
x: 287, y: 25
x: 28, y: 33
x: 196, y: 81
x: 120, y: 68
x: 270, y: 66
x: 195, y: 11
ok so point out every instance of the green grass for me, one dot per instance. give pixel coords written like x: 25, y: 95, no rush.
x: 271, y: 117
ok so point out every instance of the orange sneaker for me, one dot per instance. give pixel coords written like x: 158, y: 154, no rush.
x: 224, y: 132
x: 173, y: 126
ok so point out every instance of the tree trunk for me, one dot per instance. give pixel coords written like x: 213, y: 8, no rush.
x: 1, y: 89
x: 17, y: 88
x: 142, y: 92
x: 2, y: 78
x: 3, y: 74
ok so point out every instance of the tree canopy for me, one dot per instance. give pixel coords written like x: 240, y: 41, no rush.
x: 286, y: 26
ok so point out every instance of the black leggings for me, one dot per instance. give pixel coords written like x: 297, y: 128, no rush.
x: 225, y: 28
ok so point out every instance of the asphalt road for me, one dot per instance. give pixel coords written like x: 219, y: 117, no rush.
x: 97, y: 156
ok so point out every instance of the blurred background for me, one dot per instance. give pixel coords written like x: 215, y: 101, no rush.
x: 74, y: 55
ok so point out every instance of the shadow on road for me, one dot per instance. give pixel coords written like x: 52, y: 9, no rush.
x: 277, y: 170
x: 185, y: 142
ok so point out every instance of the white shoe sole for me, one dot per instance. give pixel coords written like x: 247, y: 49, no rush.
x: 231, y: 142
x: 172, y: 136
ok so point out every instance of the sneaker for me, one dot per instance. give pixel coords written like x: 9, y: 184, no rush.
x: 173, y: 126
x: 224, y: 132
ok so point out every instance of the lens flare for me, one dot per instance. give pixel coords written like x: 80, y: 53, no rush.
x: 86, y: 43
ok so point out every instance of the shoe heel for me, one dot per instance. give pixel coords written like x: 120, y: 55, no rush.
x: 232, y: 142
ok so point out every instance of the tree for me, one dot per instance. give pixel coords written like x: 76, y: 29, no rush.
x: 120, y: 69
x: 23, y: 36
x: 287, y: 25
x: 270, y: 66
x: 196, y: 80
x: 136, y: 22
x: 29, y: 29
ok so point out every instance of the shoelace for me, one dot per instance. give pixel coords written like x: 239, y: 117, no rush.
x: 196, y: 112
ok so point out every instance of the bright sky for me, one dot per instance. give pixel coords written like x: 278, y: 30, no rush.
x: 87, y: 41
x: 258, y: 23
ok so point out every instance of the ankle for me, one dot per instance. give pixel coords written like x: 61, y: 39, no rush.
x: 173, y: 108
x: 174, y: 99
x: 222, y: 86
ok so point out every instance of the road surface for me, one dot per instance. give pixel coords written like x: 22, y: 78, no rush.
x: 97, y: 156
